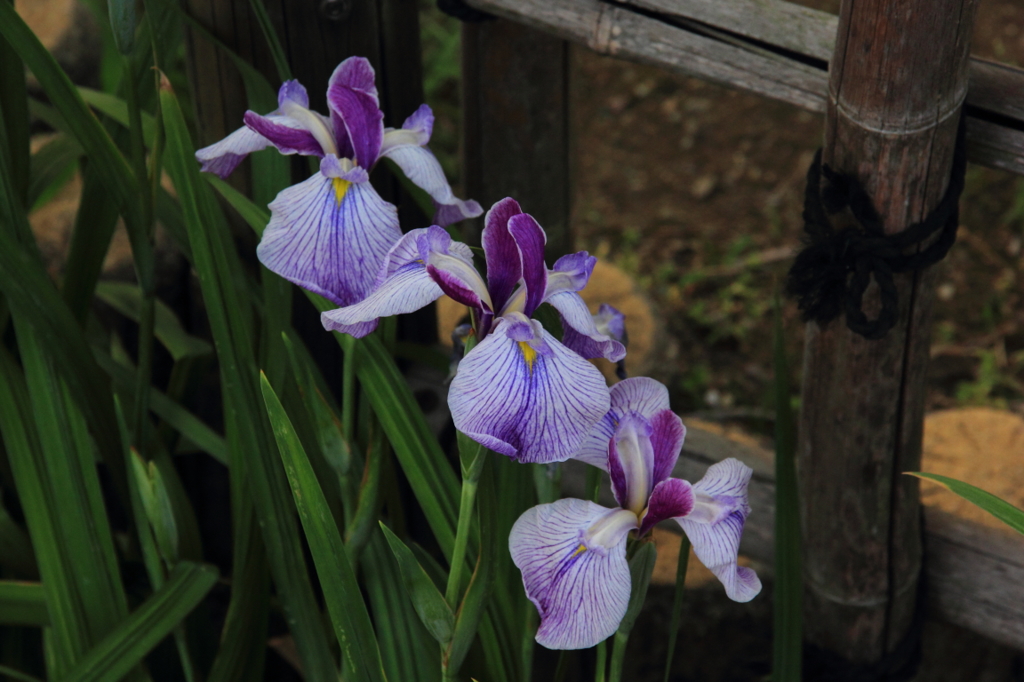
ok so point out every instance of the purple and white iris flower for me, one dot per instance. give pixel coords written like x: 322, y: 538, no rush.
x: 572, y: 553
x: 519, y: 391
x: 330, y: 233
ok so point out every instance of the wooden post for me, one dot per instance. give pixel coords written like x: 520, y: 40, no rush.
x: 897, y: 82
x: 516, y: 124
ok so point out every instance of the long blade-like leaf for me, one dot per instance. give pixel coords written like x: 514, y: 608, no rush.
x: 996, y: 506
x: 22, y: 604
x: 337, y: 577
x: 434, y: 612
x: 126, y: 299
x: 787, y: 648
x: 126, y: 646
x: 249, y: 435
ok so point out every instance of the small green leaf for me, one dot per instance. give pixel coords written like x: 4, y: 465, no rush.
x: 640, y: 568
x: 126, y: 299
x: 157, y: 504
x: 22, y: 604
x: 431, y: 607
x: 139, y: 633
x: 997, y: 507
x: 52, y: 167
x: 117, y: 109
x: 122, y: 21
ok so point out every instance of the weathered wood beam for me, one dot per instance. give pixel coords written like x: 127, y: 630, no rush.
x: 770, y: 47
x: 972, y: 571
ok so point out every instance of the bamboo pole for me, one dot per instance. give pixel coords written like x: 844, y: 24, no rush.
x: 897, y: 82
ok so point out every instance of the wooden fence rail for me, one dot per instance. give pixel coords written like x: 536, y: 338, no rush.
x: 973, y: 572
x: 769, y: 47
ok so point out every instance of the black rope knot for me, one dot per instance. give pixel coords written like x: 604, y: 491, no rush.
x: 836, y: 266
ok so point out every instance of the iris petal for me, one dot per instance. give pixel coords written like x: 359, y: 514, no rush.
x: 667, y: 437
x: 293, y: 91
x: 515, y: 399
x: 329, y: 236
x: 642, y: 395
x: 421, y: 166
x: 289, y: 135
x: 504, y: 264
x: 631, y: 462
x: 671, y: 498
x: 223, y: 157
x: 715, y: 526
x: 576, y: 318
x: 460, y: 280
x: 408, y: 289
x: 403, y: 284
x: 352, y: 98
x: 530, y: 239
x: 581, y: 594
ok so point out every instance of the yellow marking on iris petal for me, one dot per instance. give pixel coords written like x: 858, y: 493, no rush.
x: 579, y: 550
x: 529, y: 354
x: 340, y: 189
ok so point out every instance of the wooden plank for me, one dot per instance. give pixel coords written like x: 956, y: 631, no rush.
x: 769, y: 47
x: 802, y: 30
x: 973, y: 571
x: 994, y: 87
x: 516, y: 124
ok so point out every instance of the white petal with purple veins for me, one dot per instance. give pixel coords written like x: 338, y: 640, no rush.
x: 221, y: 158
x: 577, y: 317
x: 581, y: 593
x: 408, y: 289
x: 459, y: 279
x: 642, y: 395
x: 421, y: 166
x: 631, y: 462
x: 715, y: 526
x: 515, y: 399
x: 329, y: 236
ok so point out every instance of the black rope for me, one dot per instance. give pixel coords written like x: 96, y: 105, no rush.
x: 463, y: 12
x: 832, y: 272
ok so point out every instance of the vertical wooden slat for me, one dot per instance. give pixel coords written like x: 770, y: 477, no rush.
x: 896, y: 84
x: 516, y: 123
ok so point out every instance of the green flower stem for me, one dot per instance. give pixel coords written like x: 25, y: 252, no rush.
x: 527, y: 646
x: 147, y: 319
x: 473, y: 456
x: 677, y: 602
x: 618, y: 654
x: 602, y: 661
x: 348, y: 395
